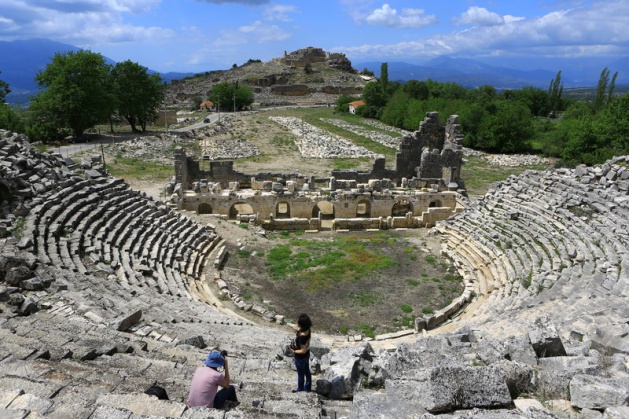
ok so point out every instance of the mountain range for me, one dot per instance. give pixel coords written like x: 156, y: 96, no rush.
x: 20, y: 61
x: 473, y: 73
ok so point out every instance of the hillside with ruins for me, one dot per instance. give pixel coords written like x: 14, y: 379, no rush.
x: 282, y: 81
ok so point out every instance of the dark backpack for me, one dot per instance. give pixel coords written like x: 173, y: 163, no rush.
x: 157, y: 391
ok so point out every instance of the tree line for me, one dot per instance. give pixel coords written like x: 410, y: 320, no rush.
x: 527, y: 120
x: 80, y: 90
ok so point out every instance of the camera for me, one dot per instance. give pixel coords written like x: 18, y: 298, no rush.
x: 293, y: 345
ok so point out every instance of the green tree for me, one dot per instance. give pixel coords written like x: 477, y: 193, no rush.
x: 554, y: 94
x: 508, y: 130
x: 77, y: 94
x: 342, y: 103
x: 244, y: 97
x: 308, y: 68
x: 4, y: 90
x: 229, y: 97
x: 604, y: 90
x: 395, y: 111
x: 138, y: 94
x: 416, y: 89
x: 537, y: 100
x: 384, y: 76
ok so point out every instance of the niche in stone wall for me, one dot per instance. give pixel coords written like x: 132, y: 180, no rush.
x: 401, y: 207
x: 240, y: 208
x: 5, y: 193
x: 204, y: 208
x: 363, y: 209
x: 282, y: 210
x: 325, y: 208
x: 435, y: 204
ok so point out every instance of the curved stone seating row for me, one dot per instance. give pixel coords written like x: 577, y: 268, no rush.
x: 146, y: 244
x: 546, y: 236
x: 58, y: 364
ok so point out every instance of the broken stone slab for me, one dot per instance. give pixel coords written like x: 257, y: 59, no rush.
x: 347, y: 367
x: 545, y: 339
x: 143, y: 404
x: 32, y: 403
x: 448, y: 388
x: 592, y: 392
x: 124, y: 323
x: 375, y: 405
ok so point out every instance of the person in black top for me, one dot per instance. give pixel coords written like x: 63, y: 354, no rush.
x: 301, y: 349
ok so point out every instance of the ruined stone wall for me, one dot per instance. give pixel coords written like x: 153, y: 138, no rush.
x: 188, y: 172
x: 348, y: 205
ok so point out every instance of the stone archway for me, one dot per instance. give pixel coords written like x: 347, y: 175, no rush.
x: 204, y: 208
x: 282, y: 210
x: 325, y: 208
x: 401, y: 207
x: 363, y: 209
x: 240, y: 208
x: 435, y: 203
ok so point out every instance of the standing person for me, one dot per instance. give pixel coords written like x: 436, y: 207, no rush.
x: 301, y: 349
x: 205, y: 382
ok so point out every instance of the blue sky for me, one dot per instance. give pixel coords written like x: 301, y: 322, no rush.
x: 202, y: 35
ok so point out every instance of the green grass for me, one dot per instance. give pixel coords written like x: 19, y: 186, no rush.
x: 412, y: 282
x: 347, y: 164
x: 244, y: 253
x: 406, y: 308
x: 128, y: 168
x: 480, y: 175
x: 365, y: 298
x: 319, y: 264
x: 19, y: 228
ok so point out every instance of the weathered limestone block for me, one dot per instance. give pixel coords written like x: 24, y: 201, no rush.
x: 375, y: 404
x: 545, y: 339
x: 143, y: 404
x: 447, y: 388
x: 123, y: 323
x: 343, y: 377
x: 587, y: 391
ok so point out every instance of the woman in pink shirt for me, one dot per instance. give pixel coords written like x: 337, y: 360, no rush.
x: 207, y: 379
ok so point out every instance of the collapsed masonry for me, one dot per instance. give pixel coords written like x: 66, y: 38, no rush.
x: 421, y: 190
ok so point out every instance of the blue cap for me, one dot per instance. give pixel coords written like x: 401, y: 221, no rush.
x: 214, y: 360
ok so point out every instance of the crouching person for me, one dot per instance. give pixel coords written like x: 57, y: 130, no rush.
x: 206, y: 380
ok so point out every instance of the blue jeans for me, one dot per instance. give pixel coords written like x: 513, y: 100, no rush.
x: 224, y: 394
x: 304, y: 378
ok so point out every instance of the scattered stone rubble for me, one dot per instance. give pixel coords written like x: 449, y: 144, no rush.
x: 103, y: 294
x: 228, y: 149
x: 384, y: 139
x: 313, y: 142
x: 152, y: 147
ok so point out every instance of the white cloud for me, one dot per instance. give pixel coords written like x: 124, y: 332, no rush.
x: 258, y: 32
x: 599, y: 27
x: 279, y: 12
x: 357, y: 9
x: 79, y: 22
x: 479, y: 16
x: 409, y: 18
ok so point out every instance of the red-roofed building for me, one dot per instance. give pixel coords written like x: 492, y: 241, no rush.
x: 354, y: 105
x: 206, y: 106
